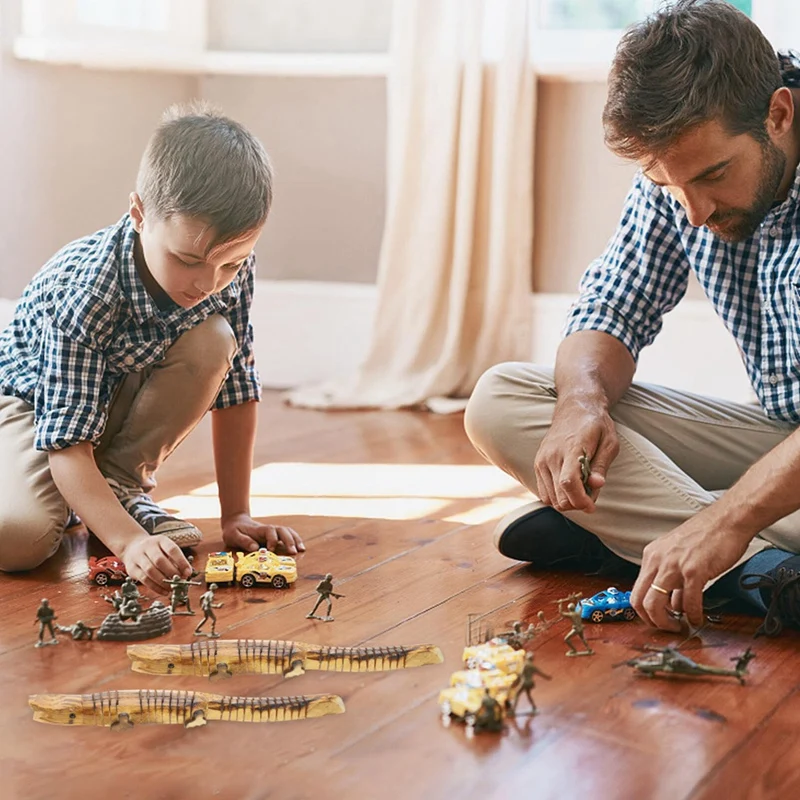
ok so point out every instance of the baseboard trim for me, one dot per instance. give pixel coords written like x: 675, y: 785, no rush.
x: 310, y: 331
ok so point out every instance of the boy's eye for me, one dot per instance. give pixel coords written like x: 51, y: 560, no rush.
x: 234, y: 267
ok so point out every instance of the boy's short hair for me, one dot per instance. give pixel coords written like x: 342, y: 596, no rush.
x: 692, y: 62
x: 201, y: 164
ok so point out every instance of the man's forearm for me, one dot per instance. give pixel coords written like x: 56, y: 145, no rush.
x: 593, y: 368
x: 234, y: 434
x: 83, y: 486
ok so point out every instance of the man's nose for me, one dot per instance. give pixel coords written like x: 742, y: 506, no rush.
x: 698, y: 209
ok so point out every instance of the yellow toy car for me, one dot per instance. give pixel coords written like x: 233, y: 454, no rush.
x: 494, y: 655
x: 263, y: 566
x: 462, y: 700
x: 219, y: 568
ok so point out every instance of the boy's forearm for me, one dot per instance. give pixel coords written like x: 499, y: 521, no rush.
x: 83, y: 486
x: 593, y: 368
x: 234, y: 435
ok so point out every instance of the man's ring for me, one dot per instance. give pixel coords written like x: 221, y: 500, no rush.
x: 660, y: 588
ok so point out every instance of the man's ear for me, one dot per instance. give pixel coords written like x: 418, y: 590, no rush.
x: 781, y: 113
x: 137, y: 212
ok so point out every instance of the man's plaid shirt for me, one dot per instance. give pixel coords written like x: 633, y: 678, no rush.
x: 753, y: 285
x: 86, y: 320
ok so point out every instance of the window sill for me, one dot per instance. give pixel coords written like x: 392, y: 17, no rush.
x: 218, y: 62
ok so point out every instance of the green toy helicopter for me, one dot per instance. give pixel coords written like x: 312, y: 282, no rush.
x: 669, y: 661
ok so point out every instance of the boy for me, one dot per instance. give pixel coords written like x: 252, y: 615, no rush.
x: 120, y: 345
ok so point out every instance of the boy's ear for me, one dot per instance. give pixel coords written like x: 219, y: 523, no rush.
x: 136, y: 212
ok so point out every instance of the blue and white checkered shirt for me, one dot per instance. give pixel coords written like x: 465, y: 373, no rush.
x: 753, y: 285
x: 86, y: 320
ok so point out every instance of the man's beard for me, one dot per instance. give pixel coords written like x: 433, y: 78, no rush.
x: 738, y: 224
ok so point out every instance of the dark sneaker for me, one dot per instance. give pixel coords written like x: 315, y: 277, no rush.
x: 154, y: 519
x: 780, y: 591
x: 548, y: 540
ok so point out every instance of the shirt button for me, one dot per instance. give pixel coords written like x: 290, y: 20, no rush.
x: 129, y: 360
x: 774, y: 231
x: 773, y: 379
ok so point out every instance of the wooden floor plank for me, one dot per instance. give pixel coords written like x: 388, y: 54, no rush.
x: 602, y: 732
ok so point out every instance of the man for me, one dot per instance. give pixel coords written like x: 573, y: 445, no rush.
x: 687, y: 486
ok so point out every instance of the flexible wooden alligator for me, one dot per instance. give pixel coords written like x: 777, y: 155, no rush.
x: 223, y: 658
x: 122, y: 709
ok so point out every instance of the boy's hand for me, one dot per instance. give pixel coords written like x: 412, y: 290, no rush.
x: 242, y: 532
x: 153, y: 559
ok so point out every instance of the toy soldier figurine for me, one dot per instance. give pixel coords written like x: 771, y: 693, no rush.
x: 195, y: 573
x: 208, y: 605
x: 80, y: 630
x: 524, y: 683
x: 180, y: 594
x: 45, y: 616
x: 489, y: 716
x: 573, y: 614
x: 517, y: 637
x: 325, y: 591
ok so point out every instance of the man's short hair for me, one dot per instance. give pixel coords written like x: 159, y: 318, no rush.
x: 201, y: 164
x: 692, y: 62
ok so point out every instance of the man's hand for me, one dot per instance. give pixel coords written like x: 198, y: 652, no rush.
x: 579, y: 427
x: 681, y: 563
x: 242, y: 532
x: 153, y: 559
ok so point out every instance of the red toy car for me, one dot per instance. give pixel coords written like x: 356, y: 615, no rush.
x: 104, y: 570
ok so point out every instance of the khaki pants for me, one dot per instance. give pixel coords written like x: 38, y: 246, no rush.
x: 678, y: 453
x: 151, y: 414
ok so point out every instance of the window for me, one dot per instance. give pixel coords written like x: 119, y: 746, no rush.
x: 114, y: 25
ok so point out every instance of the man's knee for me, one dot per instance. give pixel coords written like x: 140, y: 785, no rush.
x: 28, y: 541
x: 506, y: 397
x: 208, y: 344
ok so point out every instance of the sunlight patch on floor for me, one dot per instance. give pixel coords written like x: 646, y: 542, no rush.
x: 375, y: 480
x: 363, y: 491
x: 493, y: 510
x: 194, y: 507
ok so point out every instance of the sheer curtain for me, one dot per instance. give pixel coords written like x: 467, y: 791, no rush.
x: 455, y: 262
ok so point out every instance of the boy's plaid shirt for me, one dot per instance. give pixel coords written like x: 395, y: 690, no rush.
x: 86, y: 320
x: 753, y: 285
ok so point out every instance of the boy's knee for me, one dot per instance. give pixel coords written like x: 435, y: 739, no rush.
x: 26, y: 542
x: 210, y: 343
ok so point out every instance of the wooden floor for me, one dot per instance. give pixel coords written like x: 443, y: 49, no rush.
x: 409, y: 544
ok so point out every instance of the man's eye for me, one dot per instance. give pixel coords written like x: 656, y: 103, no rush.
x: 713, y: 178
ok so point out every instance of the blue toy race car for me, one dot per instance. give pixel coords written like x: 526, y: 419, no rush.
x: 612, y: 604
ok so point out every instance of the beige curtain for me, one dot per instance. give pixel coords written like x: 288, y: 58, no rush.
x: 455, y: 262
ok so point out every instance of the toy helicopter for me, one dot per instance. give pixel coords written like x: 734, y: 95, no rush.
x: 669, y: 661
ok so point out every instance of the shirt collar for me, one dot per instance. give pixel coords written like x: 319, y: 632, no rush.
x: 142, y: 305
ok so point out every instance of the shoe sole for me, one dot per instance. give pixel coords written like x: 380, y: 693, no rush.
x: 184, y: 538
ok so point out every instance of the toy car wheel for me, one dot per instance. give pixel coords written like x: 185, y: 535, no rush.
x: 248, y: 581
x: 279, y: 582
x: 597, y: 615
x: 629, y: 614
x: 101, y: 579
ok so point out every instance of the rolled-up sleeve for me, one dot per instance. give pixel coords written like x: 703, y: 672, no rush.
x: 243, y: 383
x: 642, y: 274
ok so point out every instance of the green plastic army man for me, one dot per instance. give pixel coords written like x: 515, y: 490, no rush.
x: 573, y: 614
x: 45, y: 616
x: 325, y: 591
x: 207, y: 605
x: 489, y: 716
x: 524, y: 683
x: 180, y: 594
